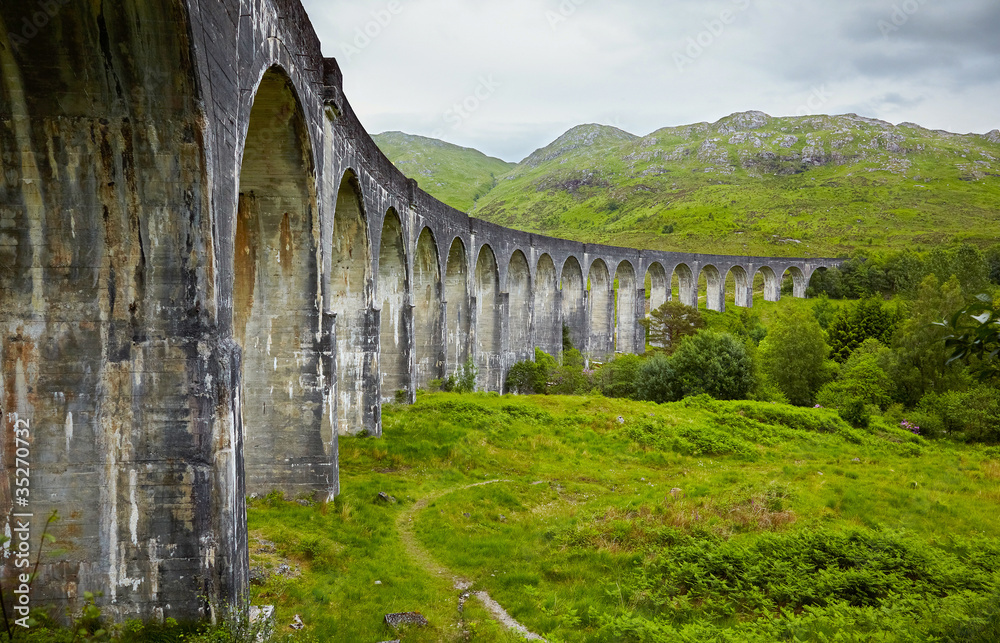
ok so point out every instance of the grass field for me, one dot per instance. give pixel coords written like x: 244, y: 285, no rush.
x: 611, y: 520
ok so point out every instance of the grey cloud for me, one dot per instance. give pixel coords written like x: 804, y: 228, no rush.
x: 615, y: 63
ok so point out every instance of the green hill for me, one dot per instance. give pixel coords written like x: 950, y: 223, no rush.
x: 453, y: 174
x: 750, y: 183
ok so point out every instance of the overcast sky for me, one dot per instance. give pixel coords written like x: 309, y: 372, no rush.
x: 509, y: 76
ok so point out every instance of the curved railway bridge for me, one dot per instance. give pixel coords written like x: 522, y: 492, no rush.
x: 208, y: 272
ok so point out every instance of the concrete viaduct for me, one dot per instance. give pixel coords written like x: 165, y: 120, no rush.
x: 208, y: 272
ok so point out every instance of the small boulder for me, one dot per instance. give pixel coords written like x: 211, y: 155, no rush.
x: 297, y: 623
x: 395, y: 621
x: 385, y: 498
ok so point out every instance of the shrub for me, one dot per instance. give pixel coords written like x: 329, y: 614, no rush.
x: 972, y: 415
x: 569, y: 379
x: 463, y: 381
x: 619, y: 378
x: 714, y: 363
x: 531, y: 377
x: 657, y: 381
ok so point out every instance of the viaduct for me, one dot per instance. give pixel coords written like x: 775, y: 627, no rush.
x: 209, y: 272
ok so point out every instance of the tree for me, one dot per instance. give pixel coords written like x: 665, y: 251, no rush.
x: 917, y: 365
x: 993, y: 263
x: 868, y: 319
x: 670, y: 323
x: 714, y: 363
x: 794, y: 356
x: 862, y: 380
x: 824, y: 311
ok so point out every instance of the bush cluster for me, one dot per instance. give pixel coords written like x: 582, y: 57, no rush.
x: 874, y: 362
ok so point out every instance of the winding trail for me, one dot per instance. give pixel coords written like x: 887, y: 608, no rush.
x: 423, y: 558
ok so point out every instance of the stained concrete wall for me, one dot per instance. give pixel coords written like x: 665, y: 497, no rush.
x: 209, y: 272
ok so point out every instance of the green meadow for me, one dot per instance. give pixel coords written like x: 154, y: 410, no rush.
x: 612, y: 520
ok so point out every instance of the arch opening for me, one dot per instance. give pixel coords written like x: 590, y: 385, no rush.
x: 394, y: 317
x: 519, y: 304
x: 683, y: 286
x: 427, y: 312
x: 458, y: 307
x: 739, y: 288
x: 626, y: 303
x: 793, y: 282
x: 574, y: 313
x: 771, y: 285
x: 548, y: 309
x: 276, y: 311
x: 710, y: 281
x: 657, y: 287
x: 599, y: 300
x: 351, y: 296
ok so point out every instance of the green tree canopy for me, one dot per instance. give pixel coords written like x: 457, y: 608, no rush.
x: 917, y: 365
x: 794, y: 356
x: 714, y: 363
x: 868, y: 319
x: 670, y: 323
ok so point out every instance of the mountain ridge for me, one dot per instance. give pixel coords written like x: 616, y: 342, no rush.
x: 749, y: 183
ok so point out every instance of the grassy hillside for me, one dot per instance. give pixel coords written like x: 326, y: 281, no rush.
x: 750, y: 183
x: 453, y: 174
x: 611, y: 520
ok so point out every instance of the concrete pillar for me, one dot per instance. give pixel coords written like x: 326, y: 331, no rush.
x: 638, y: 315
x: 503, y: 359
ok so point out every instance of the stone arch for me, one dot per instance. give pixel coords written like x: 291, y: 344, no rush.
x: 657, y: 287
x: 683, y: 283
x: 276, y: 311
x: 817, y: 280
x: 574, y: 304
x: 351, y: 300
x: 519, y: 307
x: 427, y: 311
x: 548, y: 314
x: 600, y: 304
x: 488, y: 343
x: 714, y: 295
x: 772, y: 287
x: 626, y: 302
x: 798, y: 279
x: 458, y: 324
x: 742, y: 288
x: 394, y: 316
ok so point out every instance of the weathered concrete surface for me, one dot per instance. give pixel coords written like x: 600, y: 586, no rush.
x: 209, y: 272
x: 108, y: 278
